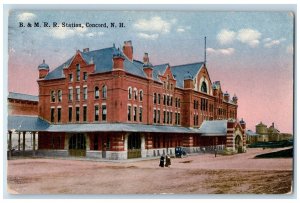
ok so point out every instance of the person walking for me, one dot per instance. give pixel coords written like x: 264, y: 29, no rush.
x: 215, y: 152
x: 168, y: 161
x: 162, y: 161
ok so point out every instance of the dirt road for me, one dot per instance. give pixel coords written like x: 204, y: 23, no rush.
x: 200, y: 174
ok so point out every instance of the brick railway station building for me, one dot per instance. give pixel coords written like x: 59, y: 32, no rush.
x: 106, y: 104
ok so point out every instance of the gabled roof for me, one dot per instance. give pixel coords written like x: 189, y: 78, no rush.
x: 103, y: 60
x: 181, y: 70
x: 26, y: 123
x: 215, y: 127
x: 159, y: 70
x: 24, y: 97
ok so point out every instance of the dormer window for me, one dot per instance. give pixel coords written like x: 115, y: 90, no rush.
x: 203, y: 87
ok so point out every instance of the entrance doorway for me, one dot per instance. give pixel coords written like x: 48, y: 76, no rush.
x: 134, y: 146
x: 77, y: 145
x: 238, y: 144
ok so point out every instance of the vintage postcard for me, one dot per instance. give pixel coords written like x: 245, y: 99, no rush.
x: 150, y: 102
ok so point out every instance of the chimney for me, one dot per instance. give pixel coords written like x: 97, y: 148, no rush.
x: 188, y: 81
x: 128, y: 49
x: 146, y: 58
x: 226, y: 96
x: 118, y: 60
x: 273, y: 125
x: 148, y: 68
x: 86, y: 50
x: 235, y: 99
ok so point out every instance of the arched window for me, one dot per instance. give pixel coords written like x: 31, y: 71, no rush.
x: 59, y: 95
x: 141, y: 95
x: 204, y: 87
x: 129, y: 92
x: 135, y: 93
x: 52, y: 96
x: 104, y: 92
x: 96, y: 92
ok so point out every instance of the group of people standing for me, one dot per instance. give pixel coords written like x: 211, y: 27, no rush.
x: 163, y: 163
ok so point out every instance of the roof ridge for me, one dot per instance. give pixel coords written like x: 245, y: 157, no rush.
x: 22, y: 94
x: 97, y: 50
x: 187, y: 64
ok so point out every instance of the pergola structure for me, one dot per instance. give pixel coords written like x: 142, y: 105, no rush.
x: 23, y: 125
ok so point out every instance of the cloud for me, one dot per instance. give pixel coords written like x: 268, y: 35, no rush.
x: 183, y: 28
x: 249, y: 36
x: 180, y: 30
x: 93, y: 34
x: 148, y: 36
x: 226, y: 36
x: 64, y: 32
x: 267, y: 39
x: 290, y: 49
x: 155, y: 24
x: 26, y: 16
x: 227, y: 51
x: 270, y: 43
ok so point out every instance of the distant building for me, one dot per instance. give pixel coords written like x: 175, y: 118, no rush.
x: 266, y: 134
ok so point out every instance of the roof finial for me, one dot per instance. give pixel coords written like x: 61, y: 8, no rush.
x: 205, y: 50
x: 43, y: 60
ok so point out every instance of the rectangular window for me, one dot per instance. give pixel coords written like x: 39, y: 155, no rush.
x: 154, y: 98
x: 165, y: 117
x: 164, y: 102
x: 52, y: 115
x: 77, y: 93
x: 104, y: 113
x: 71, y: 77
x: 77, y: 72
x: 134, y: 113
x: 176, y: 118
x: 85, y: 93
x: 168, y: 117
x: 70, y: 114
x: 84, y: 113
x: 178, y: 103
x: 171, y: 115
x: 85, y: 76
x: 70, y: 95
x: 158, y: 98
x: 129, y: 113
x: 141, y: 114
x: 168, y: 100
x: 59, y: 115
x: 171, y: 101
x: 154, y: 116
x: 77, y: 113
x: 158, y: 116
x: 96, y: 113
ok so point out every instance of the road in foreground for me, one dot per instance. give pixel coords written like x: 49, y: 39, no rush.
x: 200, y: 174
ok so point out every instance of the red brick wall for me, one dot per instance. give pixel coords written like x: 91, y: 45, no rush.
x: 117, y: 83
x: 19, y: 107
x: 51, y: 140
